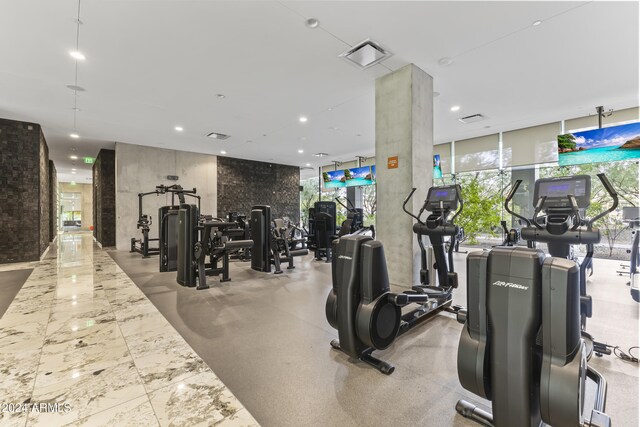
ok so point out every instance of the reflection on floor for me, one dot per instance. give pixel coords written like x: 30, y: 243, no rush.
x: 81, y: 345
x: 267, y: 338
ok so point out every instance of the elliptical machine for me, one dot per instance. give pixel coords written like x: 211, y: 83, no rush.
x: 562, y: 202
x: 631, y: 215
x: 522, y: 346
x: 361, y: 306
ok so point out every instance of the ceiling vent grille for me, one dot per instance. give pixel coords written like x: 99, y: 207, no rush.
x: 365, y: 54
x: 217, y: 135
x: 471, y: 119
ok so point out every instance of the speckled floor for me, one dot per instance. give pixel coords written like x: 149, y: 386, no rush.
x: 81, y: 345
x: 267, y: 339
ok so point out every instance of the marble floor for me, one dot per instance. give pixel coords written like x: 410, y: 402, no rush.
x: 81, y: 345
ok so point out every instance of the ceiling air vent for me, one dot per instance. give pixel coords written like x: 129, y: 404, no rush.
x: 365, y: 54
x: 217, y: 135
x: 471, y: 119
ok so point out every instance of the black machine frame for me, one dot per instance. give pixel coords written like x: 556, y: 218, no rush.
x: 271, y: 246
x: 360, y: 305
x: 523, y: 344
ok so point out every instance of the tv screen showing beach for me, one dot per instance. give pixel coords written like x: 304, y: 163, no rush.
x: 612, y: 144
x: 353, y: 177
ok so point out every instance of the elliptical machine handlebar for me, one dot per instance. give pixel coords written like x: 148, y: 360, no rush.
x: 404, y: 207
x: 459, y: 197
x: 614, y: 195
x: 512, y: 193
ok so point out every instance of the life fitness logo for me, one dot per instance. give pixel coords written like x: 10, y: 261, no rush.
x: 510, y: 285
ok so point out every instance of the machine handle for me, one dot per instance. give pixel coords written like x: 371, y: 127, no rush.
x: 614, y: 195
x: 404, y: 206
x: 512, y: 192
x: 459, y: 196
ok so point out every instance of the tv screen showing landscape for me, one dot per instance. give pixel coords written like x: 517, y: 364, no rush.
x: 437, y: 167
x: 612, y: 144
x: 353, y: 177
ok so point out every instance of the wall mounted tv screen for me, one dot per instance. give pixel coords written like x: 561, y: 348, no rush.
x: 353, y: 177
x: 611, y: 144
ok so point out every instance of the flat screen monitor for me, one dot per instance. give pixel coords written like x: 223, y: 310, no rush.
x: 610, y: 144
x: 352, y: 177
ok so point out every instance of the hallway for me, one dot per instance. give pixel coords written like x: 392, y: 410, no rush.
x: 83, y: 340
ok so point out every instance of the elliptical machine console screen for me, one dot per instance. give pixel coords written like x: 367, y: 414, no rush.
x: 556, y: 191
x: 448, y: 194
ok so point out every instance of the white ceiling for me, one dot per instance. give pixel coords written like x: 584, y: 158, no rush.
x: 152, y: 65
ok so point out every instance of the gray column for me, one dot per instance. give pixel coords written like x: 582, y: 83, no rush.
x: 404, y: 128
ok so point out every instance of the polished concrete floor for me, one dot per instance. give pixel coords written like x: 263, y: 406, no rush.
x: 267, y: 339
x: 81, y: 345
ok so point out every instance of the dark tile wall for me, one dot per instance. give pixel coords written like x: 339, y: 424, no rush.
x: 104, y: 198
x: 53, y: 201
x: 245, y: 183
x: 24, y: 168
x: 44, y: 201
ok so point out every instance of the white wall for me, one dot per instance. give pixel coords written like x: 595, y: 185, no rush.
x: 139, y: 169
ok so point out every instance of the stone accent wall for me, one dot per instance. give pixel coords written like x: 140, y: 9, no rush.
x: 243, y: 184
x: 45, y: 203
x: 104, y: 198
x: 53, y: 201
x: 24, y: 192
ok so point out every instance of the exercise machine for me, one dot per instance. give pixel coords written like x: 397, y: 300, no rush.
x: 354, y: 224
x: 270, y: 246
x: 325, y: 207
x: 142, y: 246
x: 360, y: 305
x: 631, y: 215
x: 562, y: 201
x: 522, y: 344
x: 293, y: 235
x: 168, y: 226
x: 241, y: 232
x: 200, y: 237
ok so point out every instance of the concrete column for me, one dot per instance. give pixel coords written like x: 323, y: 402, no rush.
x: 354, y: 195
x: 404, y: 128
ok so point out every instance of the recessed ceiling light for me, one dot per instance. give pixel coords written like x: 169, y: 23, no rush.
x: 74, y: 135
x: 221, y: 96
x: 308, y: 164
x: 303, y: 119
x: 76, y: 88
x: 311, y: 23
x: 77, y: 55
x: 329, y: 109
x: 73, y: 172
x: 178, y: 128
x: 73, y: 157
x: 455, y: 108
x: 223, y: 152
x: 536, y: 23
x: 445, y: 61
x: 321, y: 154
x: 300, y: 151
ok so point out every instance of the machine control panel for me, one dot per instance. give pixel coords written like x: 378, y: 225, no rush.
x: 557, y: 190
x: 447, y: 194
